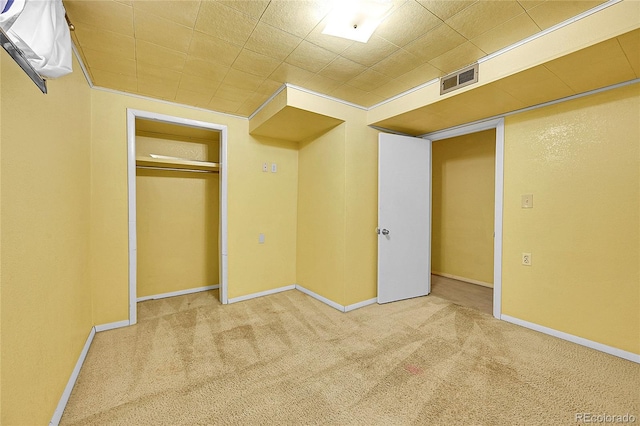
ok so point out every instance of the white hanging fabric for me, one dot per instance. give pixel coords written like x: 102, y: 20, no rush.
x: 40, y: 30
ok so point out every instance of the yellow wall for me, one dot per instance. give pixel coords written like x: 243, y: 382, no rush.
x: 180, y: 146
x: 361, y: 215
x: 337, y: 204
x: 46, y: 296
x: 258, y: 202
x: 463, y: 187
x: 261, y: 203
x: 580, y: 160
x: 177, y: 231
x: 321, y: 215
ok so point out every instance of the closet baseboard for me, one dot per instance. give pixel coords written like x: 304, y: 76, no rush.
x: 466, y: 280
x: 262, y: 293
x: 178, y: 293
x: 62, y: 404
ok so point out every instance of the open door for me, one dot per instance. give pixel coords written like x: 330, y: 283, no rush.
x: 404, y: 217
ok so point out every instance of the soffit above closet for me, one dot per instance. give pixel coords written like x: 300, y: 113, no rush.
x: 230, y: 56
x: 613, y: 61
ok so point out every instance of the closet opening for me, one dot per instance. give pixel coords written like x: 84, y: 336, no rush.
x: 177, y: 208
x: 463, y: 184
x: 467, y: 203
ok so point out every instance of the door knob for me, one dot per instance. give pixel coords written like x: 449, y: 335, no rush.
x: 385, y: 232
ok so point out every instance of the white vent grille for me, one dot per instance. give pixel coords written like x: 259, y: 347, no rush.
x: 459, y: 79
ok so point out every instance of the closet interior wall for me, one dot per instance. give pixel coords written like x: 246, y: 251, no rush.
x: 177, y: 211
x: 463, y: 196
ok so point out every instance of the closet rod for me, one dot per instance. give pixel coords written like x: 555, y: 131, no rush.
x: 174, y: 169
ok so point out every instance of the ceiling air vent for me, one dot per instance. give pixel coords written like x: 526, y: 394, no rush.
x: 459, y: 79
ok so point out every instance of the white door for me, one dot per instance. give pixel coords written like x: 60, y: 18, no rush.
x: 404, y: 217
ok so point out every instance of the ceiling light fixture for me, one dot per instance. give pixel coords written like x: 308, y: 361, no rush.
x: 356, y: 19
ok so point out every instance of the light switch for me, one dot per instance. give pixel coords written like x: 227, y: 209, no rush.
x: 265, y: 167
x: 527, y: 201
x: 260, y: 238
x: 274, y: 167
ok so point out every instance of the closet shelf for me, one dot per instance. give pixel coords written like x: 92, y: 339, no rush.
x: 177, y: 164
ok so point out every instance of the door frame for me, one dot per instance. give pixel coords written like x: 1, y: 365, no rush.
x: 132, y: 114
x: 497, y: 124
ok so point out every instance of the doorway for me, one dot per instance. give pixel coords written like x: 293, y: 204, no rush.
x: 463, y: 186
x: 393, y: 283
x: 456, y: 287
x: 163, y: 167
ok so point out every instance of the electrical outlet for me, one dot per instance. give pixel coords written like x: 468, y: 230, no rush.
x: 265, y: 167
x: 274, y: 167
x: 526, y: 259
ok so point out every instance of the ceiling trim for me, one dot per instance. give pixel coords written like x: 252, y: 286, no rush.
x: 439, y: 133
x: 265, y: 103
x: 82, y: 66
x: 331, y: 98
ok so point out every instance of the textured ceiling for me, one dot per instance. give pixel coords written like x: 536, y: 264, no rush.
x: 230, y: 56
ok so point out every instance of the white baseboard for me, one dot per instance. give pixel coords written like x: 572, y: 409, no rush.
x: 467, y: 280
x: 112, y: 325
x: 320, y: 298
x: 360, y: 304
x: 630, y: 356
x: 308, y: 293
x: 262, y: 293
x: 178, y: 293
x: 57, y: 415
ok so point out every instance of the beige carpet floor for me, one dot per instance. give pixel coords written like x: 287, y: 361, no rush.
x: 463, y: 293
x: 289, y: 359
